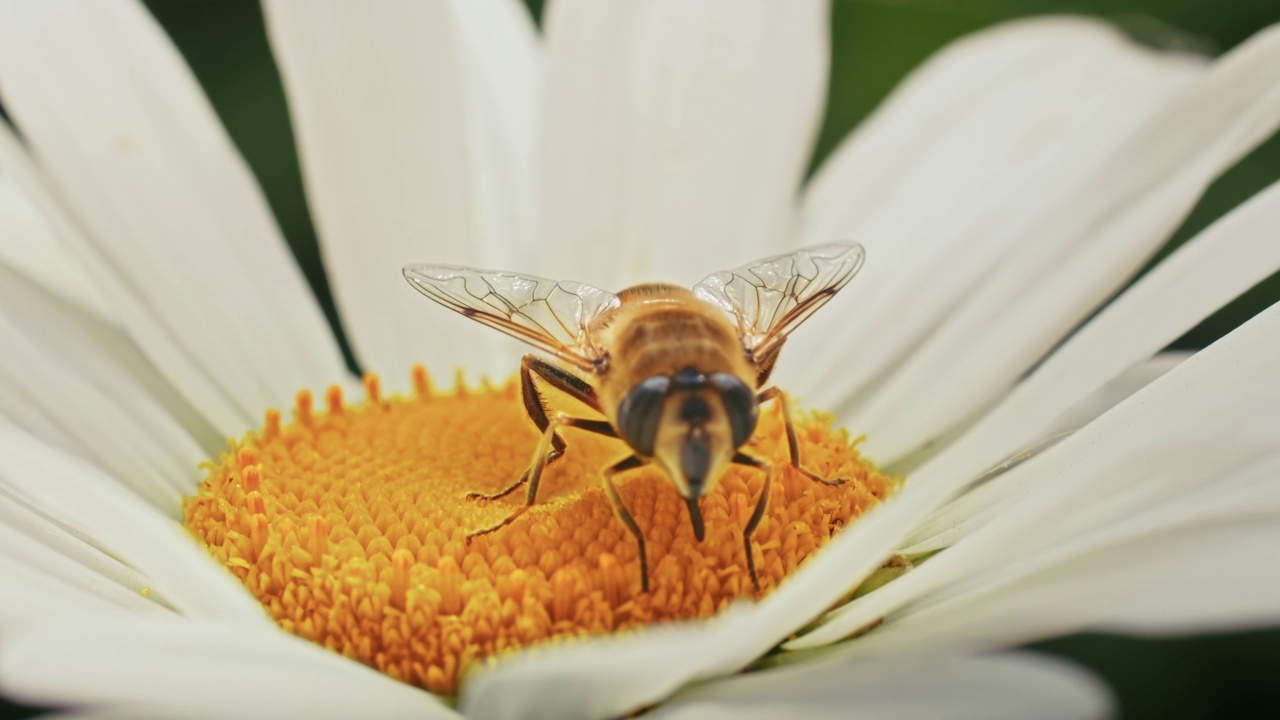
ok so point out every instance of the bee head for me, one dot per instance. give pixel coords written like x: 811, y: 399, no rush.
x: 690, y: 423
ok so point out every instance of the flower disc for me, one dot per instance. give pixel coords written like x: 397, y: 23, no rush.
x: 350, y: 526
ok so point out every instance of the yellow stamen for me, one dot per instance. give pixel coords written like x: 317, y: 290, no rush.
x: 350, y: 526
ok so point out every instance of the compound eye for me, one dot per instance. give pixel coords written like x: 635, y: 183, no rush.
x: 740, y: 404
x: 641, y: 411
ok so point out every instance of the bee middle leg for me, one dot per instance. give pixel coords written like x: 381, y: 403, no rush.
x: 774, y: 393
x: 536, y: 406
x: 757, y: 514
x: 546, y: 446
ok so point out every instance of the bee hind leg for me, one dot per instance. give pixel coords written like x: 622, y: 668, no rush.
x: 793, y: 445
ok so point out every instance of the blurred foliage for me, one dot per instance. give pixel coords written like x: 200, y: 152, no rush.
x: 1213, y: 676
x: 874, y: 44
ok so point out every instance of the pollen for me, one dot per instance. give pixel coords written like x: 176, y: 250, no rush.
x: 350, y: 524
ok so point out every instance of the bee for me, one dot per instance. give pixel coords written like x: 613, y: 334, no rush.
x: 677, y: 374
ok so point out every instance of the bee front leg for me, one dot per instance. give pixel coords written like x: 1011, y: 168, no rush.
x: 758, y: 513
x: 774, y: 393
x: 546, y: 447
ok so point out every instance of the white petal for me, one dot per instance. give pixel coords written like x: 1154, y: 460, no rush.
x: 997, y: 686
x: 612, y: 676
x: 104, y: 411
x: 185, y: 244
x: 676, y: 134
x: 49, y: 572
x: 953, y: 170
x: 1209, y: 417
x: 1188, y: 564
x: 1211, y: 269
x: 119, y: 523
x: 42, y: 244
x: 38, y: 242
x: 501, y: 60
x: 31, y: 595
x: 32, y: 526
x: 1077, y: 254
x: 36, y: 557
x: 972, y: 508
x: 71, y: 348
x: 30, y: 234
x: 19, y: 410
x: 199, y: 670
x: 1188, y: 581
x: 416, y: 125
x: 1113, y: 392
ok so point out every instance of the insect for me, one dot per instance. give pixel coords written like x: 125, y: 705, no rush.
x: 677, y: 374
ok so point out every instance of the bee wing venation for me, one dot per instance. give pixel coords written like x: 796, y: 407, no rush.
x: 555, y: 316
x: 771, y: 297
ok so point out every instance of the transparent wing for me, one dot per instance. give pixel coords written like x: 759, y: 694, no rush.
x: 771, y: 297
x: 550, y: 315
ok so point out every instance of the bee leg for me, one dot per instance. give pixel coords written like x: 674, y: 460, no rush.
x: 621, y: 510
x: 536, y: 406
x: 540, y: 459
x: 758, y: 513
x: 524, y: 478
x: 774, y: 393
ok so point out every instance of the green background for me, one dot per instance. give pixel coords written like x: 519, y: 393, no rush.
x: 874, y: 44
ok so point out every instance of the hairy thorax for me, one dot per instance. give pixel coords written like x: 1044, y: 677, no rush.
x: 660, y: 329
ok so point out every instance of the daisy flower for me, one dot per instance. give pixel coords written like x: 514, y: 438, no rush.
x: 1022, y: 475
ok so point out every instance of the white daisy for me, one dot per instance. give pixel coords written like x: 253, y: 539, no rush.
x: 150, y: 310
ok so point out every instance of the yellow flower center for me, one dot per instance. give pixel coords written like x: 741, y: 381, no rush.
x: 350, y: 526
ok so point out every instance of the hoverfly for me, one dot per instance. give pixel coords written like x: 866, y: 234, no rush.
x: 677, y: 374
